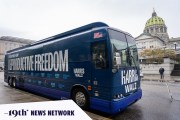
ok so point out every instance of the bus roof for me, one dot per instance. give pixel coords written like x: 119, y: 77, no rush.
x: 71, y: 32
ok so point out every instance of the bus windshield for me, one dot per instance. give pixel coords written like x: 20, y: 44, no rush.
x: 124, y: 45
x: 133, y: 50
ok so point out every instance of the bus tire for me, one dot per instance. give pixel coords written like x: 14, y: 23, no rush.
x: 14, y: 82
x: 10, y: 82
x: 80, y: 97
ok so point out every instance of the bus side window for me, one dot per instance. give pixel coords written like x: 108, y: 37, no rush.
x: 99, y: 55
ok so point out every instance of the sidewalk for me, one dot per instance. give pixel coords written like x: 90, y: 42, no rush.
x: 173, y: 79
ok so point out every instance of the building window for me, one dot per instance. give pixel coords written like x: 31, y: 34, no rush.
x: 151, y: 30
x: 147, y: 30
x: 157, y: 30
x: 151, y: 46
x: 161, y: 29
x: 144, y: 47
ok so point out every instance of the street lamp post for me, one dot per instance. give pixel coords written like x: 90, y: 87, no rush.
x: 175, y: 45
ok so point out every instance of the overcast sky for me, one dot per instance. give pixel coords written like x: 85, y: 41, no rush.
x: 38, y: 19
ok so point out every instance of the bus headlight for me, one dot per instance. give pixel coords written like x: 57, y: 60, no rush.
x: 118, y: 96
x: 121, y: 95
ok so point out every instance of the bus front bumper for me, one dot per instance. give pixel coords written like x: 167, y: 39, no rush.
x: 113, y: 107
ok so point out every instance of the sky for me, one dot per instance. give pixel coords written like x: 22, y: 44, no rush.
x: 39, y: 19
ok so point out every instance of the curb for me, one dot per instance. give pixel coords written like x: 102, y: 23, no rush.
x: 159, y: 80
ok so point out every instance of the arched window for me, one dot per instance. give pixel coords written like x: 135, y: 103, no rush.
x: 165, y: 29
x: 147, y: 30
x: 151, y: 30
x: 161, y: 29
x: 157, y: 30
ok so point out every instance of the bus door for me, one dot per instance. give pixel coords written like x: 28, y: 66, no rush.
x: 99, y: 66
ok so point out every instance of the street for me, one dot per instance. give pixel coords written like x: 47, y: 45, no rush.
x: 155, y: 104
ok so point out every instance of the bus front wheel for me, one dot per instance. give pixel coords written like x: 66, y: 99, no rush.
x: 80, y: 97
x: 14, y: 82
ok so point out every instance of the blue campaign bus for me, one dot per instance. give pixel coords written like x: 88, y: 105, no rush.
x: 95, y: 65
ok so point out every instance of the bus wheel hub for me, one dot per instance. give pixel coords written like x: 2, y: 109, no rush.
x: 80, y: 98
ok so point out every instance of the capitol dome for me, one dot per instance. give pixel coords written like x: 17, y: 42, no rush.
x: 156, y: 27
x: 154, y: 20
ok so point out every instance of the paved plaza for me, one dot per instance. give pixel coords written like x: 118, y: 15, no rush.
x: 155, y: 104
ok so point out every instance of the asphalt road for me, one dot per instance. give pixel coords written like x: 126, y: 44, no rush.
x: 155, y: 104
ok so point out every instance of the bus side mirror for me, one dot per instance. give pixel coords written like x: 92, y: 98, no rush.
x: 118, y: 59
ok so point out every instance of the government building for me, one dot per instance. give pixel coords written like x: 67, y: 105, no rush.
x: 155, y: 35
x: 8, y: 43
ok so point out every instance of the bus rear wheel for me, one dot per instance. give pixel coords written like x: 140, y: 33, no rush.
x: 80, y: 97
x: 14, y: 82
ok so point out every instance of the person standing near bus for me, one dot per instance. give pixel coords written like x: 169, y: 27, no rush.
x: 161, y: 71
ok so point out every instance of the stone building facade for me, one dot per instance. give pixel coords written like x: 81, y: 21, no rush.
x: 174, y: 43
x: 9, y: 43
x: 155, y: 35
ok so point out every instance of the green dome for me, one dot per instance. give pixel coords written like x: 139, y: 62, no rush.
x: 154, y: 20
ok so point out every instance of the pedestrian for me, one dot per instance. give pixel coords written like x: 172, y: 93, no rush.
x: 161, y: 71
